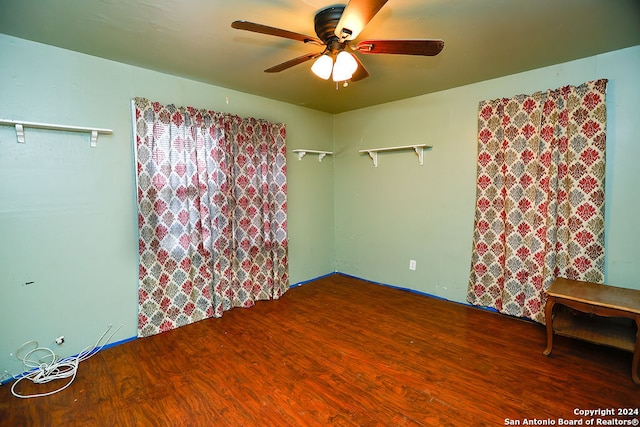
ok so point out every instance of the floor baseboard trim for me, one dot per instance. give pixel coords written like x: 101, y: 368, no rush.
x: 414, y: 291
x: 304, y: 282
x: 485, y: 308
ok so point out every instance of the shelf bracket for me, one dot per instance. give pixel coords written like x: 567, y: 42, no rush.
x: 374, y: 157
x: 94, y: 138
x: 20, y: 133
x: 420, y: 152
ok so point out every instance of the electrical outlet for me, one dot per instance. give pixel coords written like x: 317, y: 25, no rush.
x: 412, y: 264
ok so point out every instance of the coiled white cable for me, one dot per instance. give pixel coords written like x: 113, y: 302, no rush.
x: 56, y: 369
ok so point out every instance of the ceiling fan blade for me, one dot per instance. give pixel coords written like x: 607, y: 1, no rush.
x: 292, y: 62
x: 272, y: 31
x: 361, y: 72
x: 356, y: 15
x: 401, y: 47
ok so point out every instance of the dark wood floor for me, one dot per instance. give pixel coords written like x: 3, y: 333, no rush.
x: 338, y: 351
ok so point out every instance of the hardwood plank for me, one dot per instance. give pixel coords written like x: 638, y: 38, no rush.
x: 337, y: 351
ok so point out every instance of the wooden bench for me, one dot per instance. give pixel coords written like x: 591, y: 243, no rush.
x: 609, y: 306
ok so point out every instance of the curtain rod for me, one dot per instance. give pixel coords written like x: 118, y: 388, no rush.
x: 21, y: 124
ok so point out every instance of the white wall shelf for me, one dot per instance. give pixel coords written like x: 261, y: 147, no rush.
x: 418, y: 148
x: 20, y: 125
x: 301, y: 152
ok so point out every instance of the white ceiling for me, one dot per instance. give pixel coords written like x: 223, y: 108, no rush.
x: 484, y: 39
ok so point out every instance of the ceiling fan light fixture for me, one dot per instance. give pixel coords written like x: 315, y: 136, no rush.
x: 340, y: 76
x: 347, y: 61
x: 344, y: 67
x: 322, y: 67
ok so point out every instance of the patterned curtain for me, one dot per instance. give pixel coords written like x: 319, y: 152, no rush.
x: 212, y: 213
x: 540, y: 197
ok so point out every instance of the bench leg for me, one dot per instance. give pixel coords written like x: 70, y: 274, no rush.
x: 548, y: 317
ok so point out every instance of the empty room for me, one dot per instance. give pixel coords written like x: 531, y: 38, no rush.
x: 305, y: 213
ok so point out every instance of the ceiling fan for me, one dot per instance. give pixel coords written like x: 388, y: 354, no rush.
x: 336, y: 27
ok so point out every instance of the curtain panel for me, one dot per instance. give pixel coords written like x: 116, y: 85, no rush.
x: 212, y: 213
x: 539, y: 196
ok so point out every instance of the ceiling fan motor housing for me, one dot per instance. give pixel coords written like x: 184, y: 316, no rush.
x: 326, y: 22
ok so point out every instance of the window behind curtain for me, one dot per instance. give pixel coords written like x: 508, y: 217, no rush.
x: 212, y: 213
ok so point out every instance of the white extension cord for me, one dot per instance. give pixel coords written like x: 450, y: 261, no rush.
x: 56, y: 369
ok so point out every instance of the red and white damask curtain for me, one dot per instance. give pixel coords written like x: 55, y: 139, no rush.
x: 212, y: 213
x: 540, y: 196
